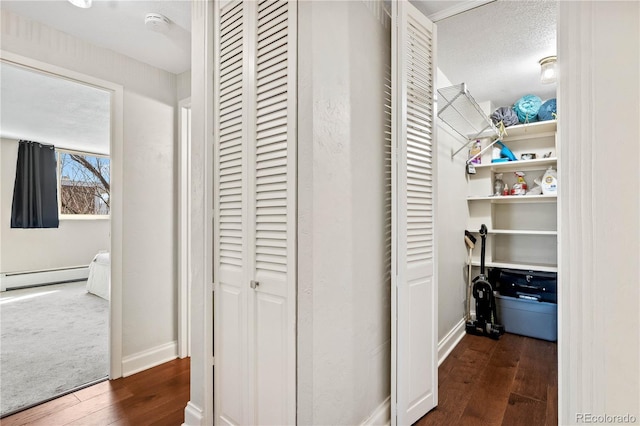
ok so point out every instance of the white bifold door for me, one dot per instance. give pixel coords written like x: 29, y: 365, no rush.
x: 414, y: 381
x: 254, y: 212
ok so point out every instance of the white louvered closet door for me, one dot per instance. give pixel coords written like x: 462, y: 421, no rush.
x: 255, y: 208
x: 414, y: 287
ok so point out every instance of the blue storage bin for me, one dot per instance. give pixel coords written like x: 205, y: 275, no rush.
x: 528, y: 317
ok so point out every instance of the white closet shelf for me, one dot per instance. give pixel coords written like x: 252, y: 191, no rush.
x: 524, y: 266
x: 537, y: 128
x: 521, y: 165
x: 517, y: 232
x: 516, y: 199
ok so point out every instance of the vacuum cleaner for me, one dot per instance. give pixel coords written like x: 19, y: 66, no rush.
x: 486, y: 322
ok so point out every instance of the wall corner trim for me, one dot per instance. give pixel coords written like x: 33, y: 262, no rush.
x: 150, y: 358
x: 193, y: 415
x: 450, y: 341
x: 381, y: 416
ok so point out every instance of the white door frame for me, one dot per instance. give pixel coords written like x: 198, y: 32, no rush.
x: 184, y: 228
x: 116, y: 156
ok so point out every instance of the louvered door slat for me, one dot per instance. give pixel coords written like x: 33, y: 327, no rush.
x: 271, y: 18
x: 274, y: 34
x: 265, y: 7
x: 276, y: 146
x: 276, y: 75
x: 274, y: 44
x: 277, y: 67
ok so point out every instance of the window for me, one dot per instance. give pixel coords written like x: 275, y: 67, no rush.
x: 83, y: 183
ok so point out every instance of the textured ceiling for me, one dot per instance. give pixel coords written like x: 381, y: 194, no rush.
x: 52, y: 110
x: 119, y: 25
x: 495, y: 49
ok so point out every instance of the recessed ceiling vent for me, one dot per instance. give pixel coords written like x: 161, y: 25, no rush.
x: 156, y: 22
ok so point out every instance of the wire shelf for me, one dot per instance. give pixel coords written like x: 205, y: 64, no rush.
x: 461, y: 112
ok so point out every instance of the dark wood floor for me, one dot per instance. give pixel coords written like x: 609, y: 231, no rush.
x: 156, y: 396
x: 510, y: 382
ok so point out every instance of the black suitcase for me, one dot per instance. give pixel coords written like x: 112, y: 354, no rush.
x: 530, y: 285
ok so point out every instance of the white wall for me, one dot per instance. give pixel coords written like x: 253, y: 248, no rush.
x: 599, y: 226
x: 452, y: 220
x: 183, y: 85
x: 149, y: 291
x: 74, y: 243
x: 343, y: 288
x: 149, y: 205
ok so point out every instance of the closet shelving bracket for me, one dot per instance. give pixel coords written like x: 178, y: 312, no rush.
x: 463, y: 114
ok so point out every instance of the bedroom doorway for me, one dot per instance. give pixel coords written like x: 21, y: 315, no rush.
x: 69, y: 276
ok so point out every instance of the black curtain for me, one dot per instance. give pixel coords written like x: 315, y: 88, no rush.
x: 35, y: 194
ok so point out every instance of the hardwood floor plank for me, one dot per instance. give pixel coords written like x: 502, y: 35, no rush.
x: 523, y: 411
x: 455, y: 391
x: 537, y: 364
x: 104, y: 416
x: 489, y: 400
x: 175, y: 418
x: 155, y: 404
x: 163, y: 411
x: 95, y: 390
x: 481, y: 343
x: 481, y: 374
x: 451, y: 360
x: 83, y: 409
x: 43, y: 410
x: 157, y: 395
x: 144, y: 380
x: 552, y: 395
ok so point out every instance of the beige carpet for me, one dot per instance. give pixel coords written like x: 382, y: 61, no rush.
x: 53, y: 339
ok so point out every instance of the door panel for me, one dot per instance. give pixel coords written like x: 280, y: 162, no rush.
x: 271, y: 351
x: 232, y: 314
x: 273, y: 211
x: 255, y: 213
x: 230, y: 257
x: 414, y: 292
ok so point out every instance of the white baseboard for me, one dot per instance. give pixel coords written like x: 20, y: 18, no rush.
x: 150, y: 358
x: 51, y: 276
x: 381, y: 415
x: 193, y: 415
x: 450, y: 341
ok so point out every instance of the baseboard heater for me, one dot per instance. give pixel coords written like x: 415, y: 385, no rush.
x: 14, y: 280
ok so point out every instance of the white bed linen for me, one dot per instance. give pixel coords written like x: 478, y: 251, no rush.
x: 99, y: 282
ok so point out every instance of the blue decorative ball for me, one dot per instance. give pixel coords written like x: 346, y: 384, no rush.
x: 548, y: 110
x: 527, y: 108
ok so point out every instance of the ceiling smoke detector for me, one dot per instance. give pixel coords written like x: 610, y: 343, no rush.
x: 156, y: 22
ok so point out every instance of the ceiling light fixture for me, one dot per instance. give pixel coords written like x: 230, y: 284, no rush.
x: 548, y: 69
x: 84, y: 4
x: 156, y: 22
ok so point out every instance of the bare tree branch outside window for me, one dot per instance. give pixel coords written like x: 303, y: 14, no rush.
x: 84, y: 184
